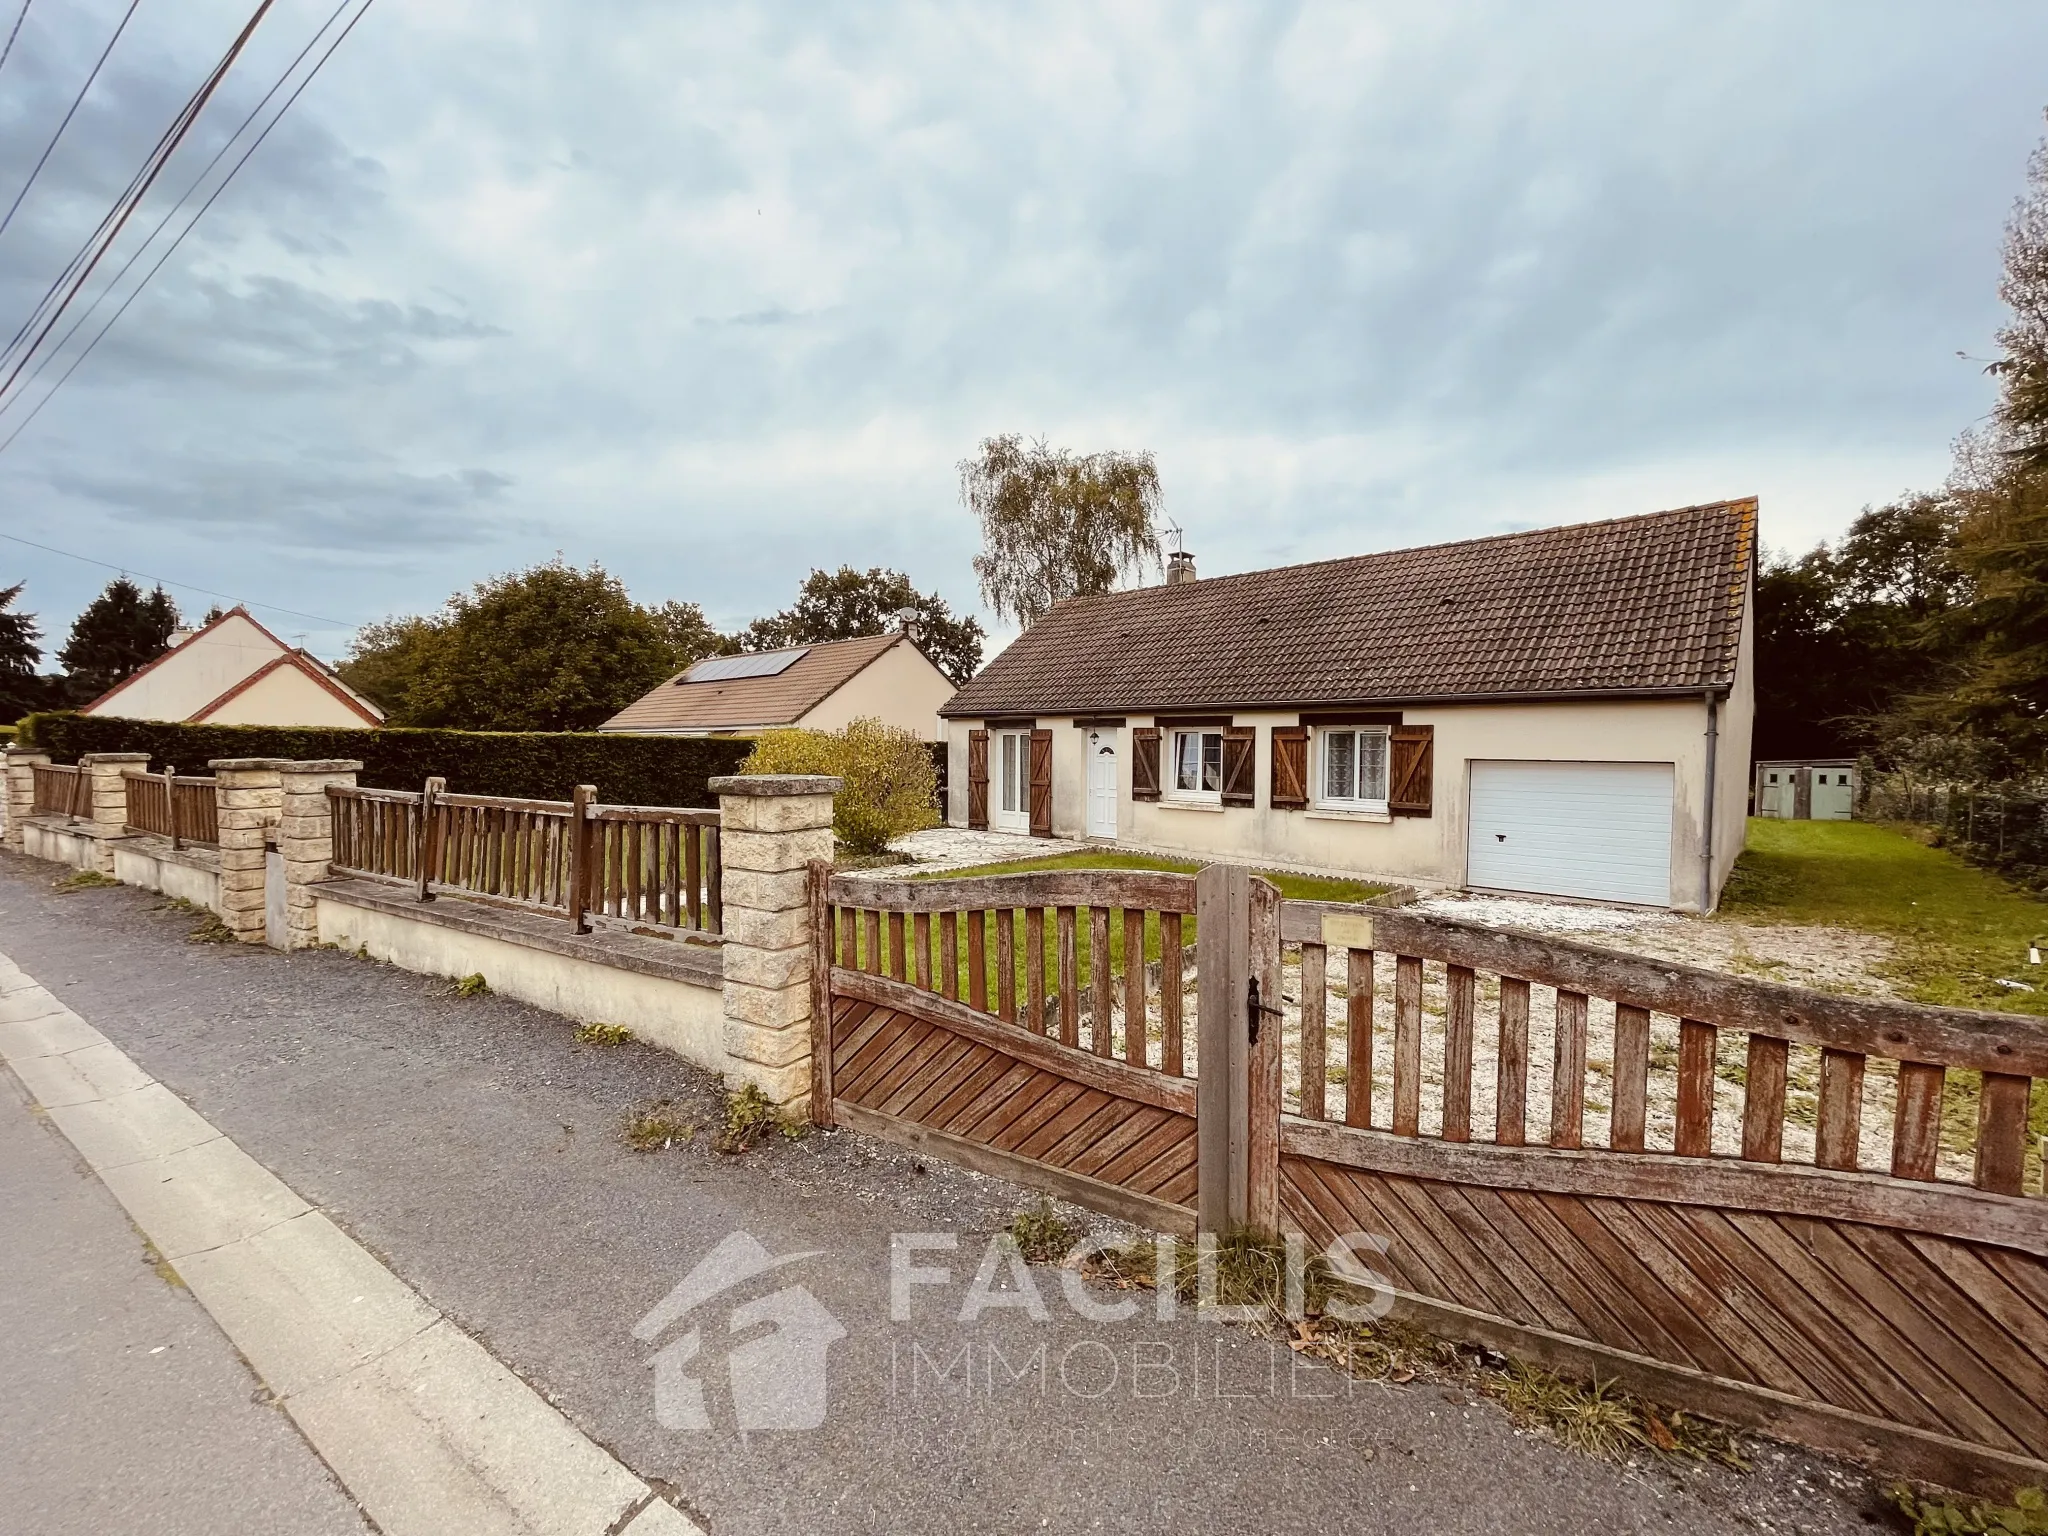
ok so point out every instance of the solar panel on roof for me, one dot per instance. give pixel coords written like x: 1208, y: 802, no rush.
x: 723, y: 669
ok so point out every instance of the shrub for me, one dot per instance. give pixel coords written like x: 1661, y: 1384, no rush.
x: 890, y: 785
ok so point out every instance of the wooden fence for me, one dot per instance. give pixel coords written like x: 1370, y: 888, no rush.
x: 1804, y: 1213
x: 61, y: 791
x: 186, y: 810
x: 651, y: 868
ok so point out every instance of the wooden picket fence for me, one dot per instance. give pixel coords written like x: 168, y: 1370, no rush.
x: 186, y: 810
x: 61, y: 791
x: 1806, y: 1213
x: 651, y: 868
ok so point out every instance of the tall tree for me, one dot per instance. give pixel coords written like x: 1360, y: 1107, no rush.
x: 846, y: 604
x: 22, y: 690
x: 1056, y: 525
x: 688, y: 635
x: 552, y: 648
x: 120, y: 632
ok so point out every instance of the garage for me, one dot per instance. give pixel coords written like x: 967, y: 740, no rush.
x: 1601, y: 831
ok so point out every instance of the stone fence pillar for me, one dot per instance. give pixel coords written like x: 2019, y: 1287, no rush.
x: 109, y: 812
x: 250, y: 797
x: 305, y: 836
x: 771, y: 826
x: 21, y: 764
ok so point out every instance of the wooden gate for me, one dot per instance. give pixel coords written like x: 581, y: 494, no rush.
x: 1809, y: 1214
x: 953, y: 1021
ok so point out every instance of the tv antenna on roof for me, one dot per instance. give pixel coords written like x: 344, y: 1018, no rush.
x: 1180, y: 538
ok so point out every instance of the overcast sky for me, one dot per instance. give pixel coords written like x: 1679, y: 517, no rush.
x: 714, y: 294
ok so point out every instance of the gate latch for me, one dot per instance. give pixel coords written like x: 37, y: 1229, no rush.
x: 1253, y: 1008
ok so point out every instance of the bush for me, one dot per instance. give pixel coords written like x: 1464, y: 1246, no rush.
x: 891, y: 787
x: 534, y: 765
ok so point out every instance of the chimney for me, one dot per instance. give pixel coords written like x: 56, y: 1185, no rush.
x: 1180, y: 567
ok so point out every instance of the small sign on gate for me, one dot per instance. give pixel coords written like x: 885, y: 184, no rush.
x: 1347, y: 930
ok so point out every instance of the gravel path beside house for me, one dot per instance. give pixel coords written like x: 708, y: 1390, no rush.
x: 474, y: 1145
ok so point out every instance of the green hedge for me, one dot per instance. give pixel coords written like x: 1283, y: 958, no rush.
x: 539, y: 765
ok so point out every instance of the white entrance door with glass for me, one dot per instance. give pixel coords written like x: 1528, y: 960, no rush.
x: 1012, y: 810
x: 1102, y: 783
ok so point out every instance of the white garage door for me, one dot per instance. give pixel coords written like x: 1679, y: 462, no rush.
x: 1597, y: 830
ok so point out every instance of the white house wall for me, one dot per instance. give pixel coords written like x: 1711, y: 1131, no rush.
x: 1427, y: 850
x: 899, y: 687
x: 196, y: 673
x: 286, y: 697
x: 1738, y: 717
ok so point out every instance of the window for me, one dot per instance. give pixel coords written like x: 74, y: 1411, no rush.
x: 1016, y: 773
x: 1354, y: 774
x: 1198, y: 764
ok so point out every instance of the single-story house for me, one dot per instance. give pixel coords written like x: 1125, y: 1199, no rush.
x: 1807, y: 789
x: 819, y: 687
x: 233, y: 671
x: 1565, y: 711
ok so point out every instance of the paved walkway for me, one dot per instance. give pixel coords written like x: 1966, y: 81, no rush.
x: 473, y: 1147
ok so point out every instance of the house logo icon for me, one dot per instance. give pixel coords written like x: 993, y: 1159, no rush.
x: 777, y: 1379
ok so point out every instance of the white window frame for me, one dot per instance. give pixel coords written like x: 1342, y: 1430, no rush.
x: 1325, y: 801
x: 1171, y: 790
x: 1013, y: 776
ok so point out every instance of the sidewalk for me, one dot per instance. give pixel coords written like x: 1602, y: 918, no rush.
x: 474, y: 1146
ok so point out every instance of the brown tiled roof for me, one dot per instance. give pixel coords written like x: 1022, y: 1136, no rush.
x: 742, y: 702
x: 1637, y: 605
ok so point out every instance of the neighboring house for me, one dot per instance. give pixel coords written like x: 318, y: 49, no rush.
x: 821, y: 687
x: 233, y: 671
x: 1807, y: 789
x: 1565, y: 711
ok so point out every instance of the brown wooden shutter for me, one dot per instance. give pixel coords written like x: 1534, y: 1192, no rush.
x: 1290, y: 768
x: 1041, y: 783
x: 1240, y: 758
x: 1145, y: 763
x: 977, y: 779
x: 1411, y: 770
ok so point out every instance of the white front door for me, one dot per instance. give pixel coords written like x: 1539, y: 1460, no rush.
x: 1601, y: 831
x: 1102, y: 784
x: 1012, y: 811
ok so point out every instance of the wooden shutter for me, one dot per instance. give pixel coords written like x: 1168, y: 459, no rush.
x: 1145, y: 763
x: 1290, y: 768
x: 1041, y: 783
x: 1240, y: 758
x: 1411, y: 770
x: 977, y: 779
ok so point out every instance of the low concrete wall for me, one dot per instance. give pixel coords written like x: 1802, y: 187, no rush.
x: 75, y: 846
x: 677, y: 1011
x: 190, y: 874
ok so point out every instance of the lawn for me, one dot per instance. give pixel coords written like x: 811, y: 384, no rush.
x: 1958, y: 928
x: 1293, y: 887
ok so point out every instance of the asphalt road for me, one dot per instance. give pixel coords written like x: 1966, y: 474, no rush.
x: 474, y: 1146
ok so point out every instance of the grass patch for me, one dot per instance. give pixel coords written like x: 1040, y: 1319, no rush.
x: 1293, y: 887
x: 85, y: 880
x: 1043, y: 1235
x: 603, y: 1034
x: 749, y: 1116
x: 657, y: 1127
x: 211, y: 930
x: 472, y: 985
x: 2027, y: 1515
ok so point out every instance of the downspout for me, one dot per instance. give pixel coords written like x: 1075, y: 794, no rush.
x: 1707, y: 832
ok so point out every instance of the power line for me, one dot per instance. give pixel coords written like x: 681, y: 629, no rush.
x: 214, y: 196
x: 20, y: 17
x: 76, y: 101
x: 115, y: 282
x: 183, y: 586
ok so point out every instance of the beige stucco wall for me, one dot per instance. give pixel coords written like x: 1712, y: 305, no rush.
x: 135, y: 863
x: 900, y: 687
x: 286, y: 697
x: 39, y: 841
x: 675, y: 1015
x: 195, y: 674
x: 1738, y: 719
x: 1417, y: 849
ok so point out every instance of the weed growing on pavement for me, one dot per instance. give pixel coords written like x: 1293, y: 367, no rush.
x: 164, y: 1272
x: 2027, y: 1515
x: 603, y: 1034
x: 1043, y: 1235
x: 749, y: 1115
x: 180, y: 905
x: 657, y: 1127
x: 85, y: 880
x: 211, y: 930
x: 472, y: 985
